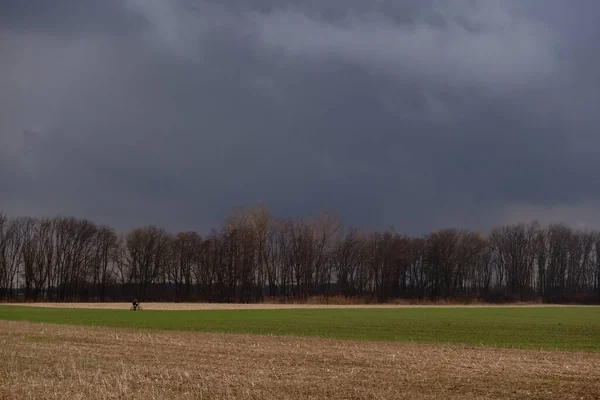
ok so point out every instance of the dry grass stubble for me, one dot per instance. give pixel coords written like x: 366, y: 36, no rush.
x: 42, y: 361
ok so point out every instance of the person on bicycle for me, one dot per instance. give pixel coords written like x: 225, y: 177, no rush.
x: 136, y: 304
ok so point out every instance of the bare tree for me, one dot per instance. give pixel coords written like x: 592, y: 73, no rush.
x: 349, y: 258
x: 145, y: 249
x: 186, y: 249
x: 442, y: 260
x: 104, y: 259
x: 514, y: 255
x: 418, y: 271
x: 559, y: 238
x: 10, y: 254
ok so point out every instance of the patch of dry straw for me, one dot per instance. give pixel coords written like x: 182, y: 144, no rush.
x: 42, y: 361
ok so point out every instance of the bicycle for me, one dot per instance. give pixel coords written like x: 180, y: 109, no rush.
x: 135, y: 308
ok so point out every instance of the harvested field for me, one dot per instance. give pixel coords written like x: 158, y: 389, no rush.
x: 43, y: 361
x: 267, y: 306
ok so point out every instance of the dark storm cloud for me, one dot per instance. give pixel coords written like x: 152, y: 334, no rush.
x: 66, y: 17
x: 418, y: 114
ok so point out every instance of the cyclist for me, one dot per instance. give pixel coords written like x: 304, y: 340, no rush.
x: 136, y: 304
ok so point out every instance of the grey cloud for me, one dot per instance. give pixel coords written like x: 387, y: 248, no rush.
x: 502, y: 49
x: 66, y: 18
x: 419, y: 115
x: 422, y: 51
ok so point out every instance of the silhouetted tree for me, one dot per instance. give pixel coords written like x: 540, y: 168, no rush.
x: 254, y: 253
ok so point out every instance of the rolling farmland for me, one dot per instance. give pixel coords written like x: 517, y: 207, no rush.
x: 299, y: 352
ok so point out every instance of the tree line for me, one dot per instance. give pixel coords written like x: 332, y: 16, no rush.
x: 255, y: 255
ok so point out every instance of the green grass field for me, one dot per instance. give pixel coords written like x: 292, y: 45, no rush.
x: 570, y: 328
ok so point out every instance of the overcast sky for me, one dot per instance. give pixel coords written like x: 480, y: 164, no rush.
x: 417, y: 114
